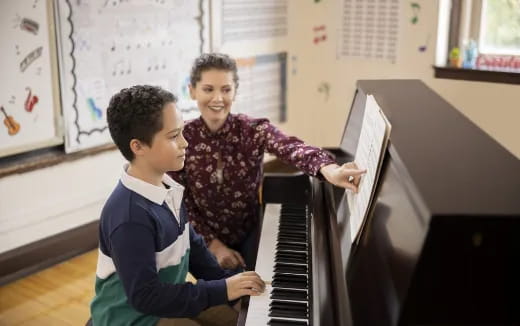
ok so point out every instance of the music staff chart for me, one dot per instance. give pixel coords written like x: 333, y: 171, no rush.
x: 235, y: 21
x: 109, y: 45
x: 369, y: 29
x: 265, y: 72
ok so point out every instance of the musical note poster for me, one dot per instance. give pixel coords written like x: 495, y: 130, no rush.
x: 238, y: 21
x: 29, y: 106
x: 107, y: 45
x: 373, y: 141
x: 369, y: 29
x: 268, y: 73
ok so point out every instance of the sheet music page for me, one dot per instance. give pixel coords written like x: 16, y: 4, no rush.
x: 369, y: 155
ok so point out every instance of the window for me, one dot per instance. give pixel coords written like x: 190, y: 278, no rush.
x: 479, y: 40
x: 500, y: 27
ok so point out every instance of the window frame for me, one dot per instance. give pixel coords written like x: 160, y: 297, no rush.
x: 464, y: 18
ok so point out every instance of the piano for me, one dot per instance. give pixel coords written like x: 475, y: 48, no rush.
x: 441, y: 244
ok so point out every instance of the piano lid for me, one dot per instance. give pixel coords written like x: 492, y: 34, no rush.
x: 456, y: 167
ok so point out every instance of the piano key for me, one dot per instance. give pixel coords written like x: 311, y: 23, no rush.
x: 290, y: 268
x: 287, y: 313
x: 289, y: 294
x: 286, y: 322
x: 282, y: 261
x: 267, y: 244
x: 292, y: 247
x: 258, y: 311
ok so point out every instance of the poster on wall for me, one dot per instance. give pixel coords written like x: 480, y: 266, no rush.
x: 105, y: 46
x: 29, y: 103
x: 369, y: 29
x: 262, y: 87
x: 254, y: 20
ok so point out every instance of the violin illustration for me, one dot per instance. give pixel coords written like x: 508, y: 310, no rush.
x: 30, y: 101
x: 12, y: 126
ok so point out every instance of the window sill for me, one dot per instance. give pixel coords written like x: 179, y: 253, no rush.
x: 491, y: 76
x: 46, y: 157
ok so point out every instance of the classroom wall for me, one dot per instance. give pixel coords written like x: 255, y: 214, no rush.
x: 45, y: 202
x: 493, y: 107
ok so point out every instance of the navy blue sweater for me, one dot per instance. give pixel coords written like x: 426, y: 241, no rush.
x: 144, y: 256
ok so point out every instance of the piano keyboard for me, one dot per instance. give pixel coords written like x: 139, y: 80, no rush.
x: 283, y: 262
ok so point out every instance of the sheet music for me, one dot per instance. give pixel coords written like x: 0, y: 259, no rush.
x: 370, y: 151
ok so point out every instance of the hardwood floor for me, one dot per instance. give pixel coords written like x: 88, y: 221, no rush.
x: 59, y: 295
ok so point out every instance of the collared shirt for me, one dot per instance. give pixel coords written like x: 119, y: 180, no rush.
x: 222, y: 198
x: 171, y: 194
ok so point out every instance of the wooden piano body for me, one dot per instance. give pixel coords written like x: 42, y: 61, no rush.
x: 441, y: 245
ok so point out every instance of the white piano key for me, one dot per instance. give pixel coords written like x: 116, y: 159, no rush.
x: 258, y: 311
x: 267, y: 244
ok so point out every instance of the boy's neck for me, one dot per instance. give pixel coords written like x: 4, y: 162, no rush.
x: 145, y: 174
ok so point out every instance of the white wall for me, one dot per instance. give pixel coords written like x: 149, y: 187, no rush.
x: 41, y: 203
x: 44, y: 202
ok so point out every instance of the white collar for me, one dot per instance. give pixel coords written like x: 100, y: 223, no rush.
x: 149, y: 191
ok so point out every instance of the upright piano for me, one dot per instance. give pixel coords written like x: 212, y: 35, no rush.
x: 441, y: 243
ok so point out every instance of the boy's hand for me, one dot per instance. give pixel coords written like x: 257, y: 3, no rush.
x: 226, y: 257
x: 246, y: 283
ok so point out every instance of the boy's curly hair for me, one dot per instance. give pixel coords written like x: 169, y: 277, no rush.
x: 136, y: 113
x: 208, y: 61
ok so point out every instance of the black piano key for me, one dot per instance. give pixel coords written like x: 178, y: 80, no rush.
x: 287, y: 268
x: 284, y: 277
x: 292, y: 228
x: 286, y: 322
x: 297, y: 254
x: 290, y: 285
x: 292, y: 246
x: 290, y: 257
x: 293, y: 209
x: 296, y: 312
x: 290, y: 260
x: 289, y: 294
x: 288, y: 313
x: 293, y: 219
x: 294, y: 238
x: 297, y: 212
x: 290, y: 281
x: 300, y: 306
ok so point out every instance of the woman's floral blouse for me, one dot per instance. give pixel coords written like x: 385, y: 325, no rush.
x: 223, y: 172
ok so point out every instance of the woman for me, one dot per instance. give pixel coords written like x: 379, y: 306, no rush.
x: 223, y: 168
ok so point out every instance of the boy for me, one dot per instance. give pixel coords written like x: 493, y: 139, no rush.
x: 147, y: 245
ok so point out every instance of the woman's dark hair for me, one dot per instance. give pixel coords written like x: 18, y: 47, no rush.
x: 207, y: 61
x: 136, y: 113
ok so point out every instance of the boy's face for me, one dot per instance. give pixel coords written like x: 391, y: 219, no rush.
x: 168, y: 148
x: 214, y: 94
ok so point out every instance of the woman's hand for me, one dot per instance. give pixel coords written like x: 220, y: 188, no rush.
x: 346, y: 176
x: 226, y: 257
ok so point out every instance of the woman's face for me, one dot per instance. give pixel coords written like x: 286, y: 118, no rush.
x: 214, y: 93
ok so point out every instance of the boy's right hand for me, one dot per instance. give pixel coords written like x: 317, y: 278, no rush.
x: 226, y: 257
x: 246, y: 283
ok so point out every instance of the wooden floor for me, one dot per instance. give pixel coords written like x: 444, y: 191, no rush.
x: 56, y: 296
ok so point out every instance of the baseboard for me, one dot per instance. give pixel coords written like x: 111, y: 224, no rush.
x: 41, y: 254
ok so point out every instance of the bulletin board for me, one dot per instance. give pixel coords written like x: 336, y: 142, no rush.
x: 29, y: 99
x: 107, y: 45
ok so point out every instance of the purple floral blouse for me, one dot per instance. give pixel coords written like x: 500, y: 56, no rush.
x: 221, y: 195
